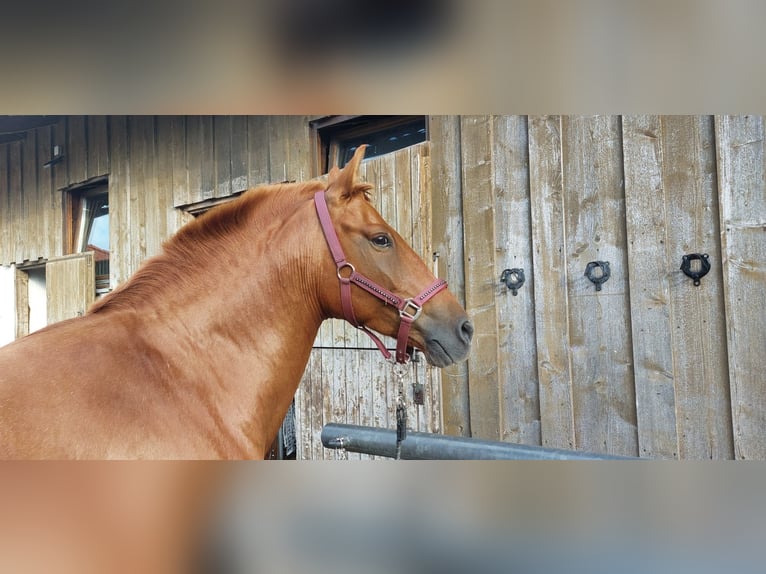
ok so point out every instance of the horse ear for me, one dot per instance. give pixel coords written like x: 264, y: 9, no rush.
x: 332, y: 176
x: 343, y: 181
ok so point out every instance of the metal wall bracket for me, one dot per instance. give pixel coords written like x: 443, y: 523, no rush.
x: 696, y: 274
x: 513, y: 279
x: 598, y: 272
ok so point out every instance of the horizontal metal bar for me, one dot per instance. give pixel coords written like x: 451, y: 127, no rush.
x: 427, y: 446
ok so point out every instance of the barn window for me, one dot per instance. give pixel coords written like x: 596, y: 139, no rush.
x: 337, y: 137
x: 88, y: 226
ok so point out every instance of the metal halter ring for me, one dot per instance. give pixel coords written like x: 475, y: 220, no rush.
x: 403, y: 312
x: 343, y: 266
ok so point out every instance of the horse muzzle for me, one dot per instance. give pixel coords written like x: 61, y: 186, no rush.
x: 446, y: 343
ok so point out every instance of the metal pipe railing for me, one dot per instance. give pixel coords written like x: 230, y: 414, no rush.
x: 427, y: 446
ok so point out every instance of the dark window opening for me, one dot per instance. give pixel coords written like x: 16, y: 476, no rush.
x: 88, y: 227
x: 338, y: 137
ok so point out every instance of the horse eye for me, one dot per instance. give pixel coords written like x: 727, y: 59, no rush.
x: 382, y: 241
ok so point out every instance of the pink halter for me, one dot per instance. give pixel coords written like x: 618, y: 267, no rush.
x: 409, y: 309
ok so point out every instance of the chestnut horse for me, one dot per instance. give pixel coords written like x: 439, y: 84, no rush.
x: 199, y: 354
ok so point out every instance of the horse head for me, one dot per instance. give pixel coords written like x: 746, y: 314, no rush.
x: 388, y: 287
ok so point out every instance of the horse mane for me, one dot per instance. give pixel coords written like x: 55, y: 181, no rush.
x: 214, y: 236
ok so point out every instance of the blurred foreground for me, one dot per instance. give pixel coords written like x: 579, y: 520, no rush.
x: 381, y: 517
x: 418, y: 56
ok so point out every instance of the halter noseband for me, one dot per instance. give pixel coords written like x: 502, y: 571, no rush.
x: 409, y: 309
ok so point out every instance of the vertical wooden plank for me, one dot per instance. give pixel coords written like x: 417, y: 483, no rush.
x: 599, y: 321
x: 60, y: 175
x: 222, y: 167
x: 298, y: 150
x: 302, y: 406
x: 239, y: 155
x: 97, y: 146
x: 278, y: 149
x: 478, y: 214
x: 317, y: 405
x: 76, y: 152
x: 164, y: 176
x: 258, y: 153
x: 33, y: 226
x: 22, y: 302
x: 192, y: 138
x: 200, y: 152
x: 447, y: 232
x: 550, y: 282
x: 70, y: 286
x: 742, y: 187
x: 648, y: 264
x: 7, y: 237
x: 19, y: 215
x: 175, y: 139
x: 143, y: 190
x: 703, y: 408
x: 354, y: 385
x: 119, y: 201
x: 517, y: 352
x: 51, y: 221
x: 422, y: 241
x: 403, y: 196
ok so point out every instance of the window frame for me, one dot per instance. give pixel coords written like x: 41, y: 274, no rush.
x: 73, y: 199
x: 329, y: 132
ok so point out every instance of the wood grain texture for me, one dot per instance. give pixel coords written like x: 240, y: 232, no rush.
x: 50, y: 226
x: 257, y: 150
x: 21, y: 280
x: 119, y: 201
x: 651, y: 270
x: 239, y: 154
x: 599, y: 321
x: 703, y: 408
x: 742, y: 186
x: 550, y: 282
x: 517, y: 352
x: 222, y: 128
x: 503, y: 191
x: 7, y: 224
x: 446, y: 216
x: 480, y: 288
x: 19, y: 217
x: 76, y: 149
x: 97, y: 145
x: 70, y: 286
x: 33, y: 207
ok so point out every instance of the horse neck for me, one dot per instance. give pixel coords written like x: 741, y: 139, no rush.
x: 241, y: 331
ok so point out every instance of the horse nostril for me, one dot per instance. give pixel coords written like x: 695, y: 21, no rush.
x: 466, y: 330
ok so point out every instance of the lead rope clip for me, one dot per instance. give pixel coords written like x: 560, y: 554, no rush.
x: 401, y: 409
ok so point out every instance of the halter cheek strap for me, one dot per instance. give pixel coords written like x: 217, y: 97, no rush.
x: 409, y: 309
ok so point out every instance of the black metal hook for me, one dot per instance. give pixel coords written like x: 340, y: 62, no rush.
x: 686, y: 266
x: 602, y: 276
x: 513, y: 279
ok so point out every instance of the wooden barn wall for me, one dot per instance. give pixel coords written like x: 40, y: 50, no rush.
x: 650, y: 365
x: 154, y: 165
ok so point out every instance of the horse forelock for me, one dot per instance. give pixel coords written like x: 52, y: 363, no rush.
x: 220, y: 231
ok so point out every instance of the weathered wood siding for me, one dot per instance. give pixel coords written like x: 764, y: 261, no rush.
x: 73, y: 282
x: 650, y: 365
x: 153, y: 164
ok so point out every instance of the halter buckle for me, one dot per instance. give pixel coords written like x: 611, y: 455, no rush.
x: 404, y: 312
